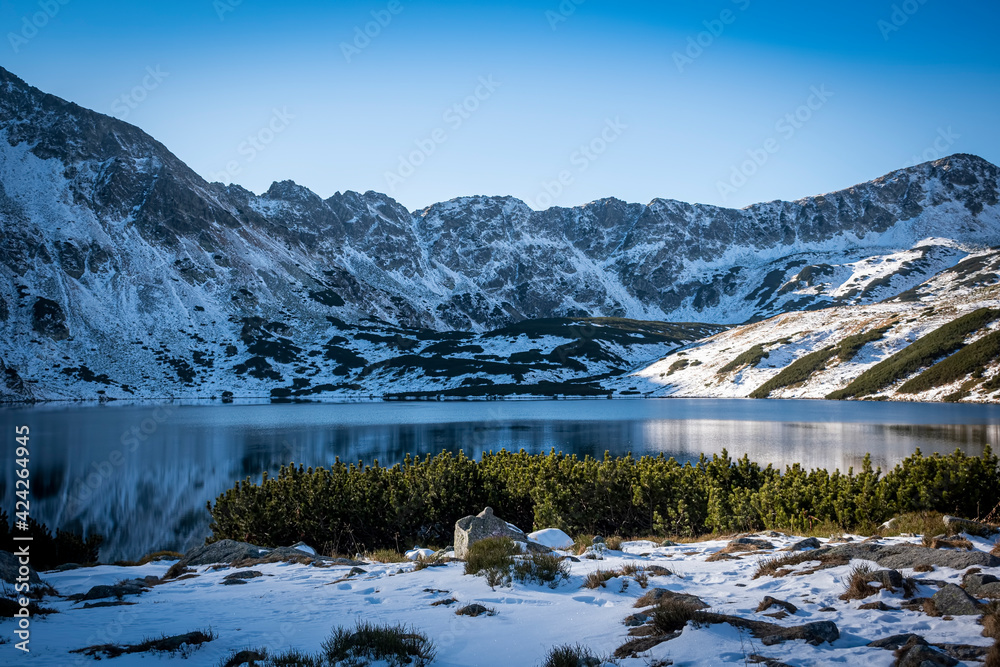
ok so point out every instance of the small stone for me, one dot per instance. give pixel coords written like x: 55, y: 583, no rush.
x: 890, y: 579
x: 753, y: 543
x: 878, y: 606
x: 808, y: 543
x: 921, y: 655
x: 633, y: 620
x: 895, y: 641
x: 954, y: 601
x: 981, y: 585
x: 769, y: 602
x: 474, y: 609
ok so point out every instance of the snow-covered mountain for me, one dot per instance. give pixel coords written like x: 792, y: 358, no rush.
x: 127, y: 274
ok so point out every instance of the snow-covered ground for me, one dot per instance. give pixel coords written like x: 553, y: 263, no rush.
x: 295, y: 605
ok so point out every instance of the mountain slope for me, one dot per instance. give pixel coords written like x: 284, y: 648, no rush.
x: 126, y: 273
x: 937, y: 342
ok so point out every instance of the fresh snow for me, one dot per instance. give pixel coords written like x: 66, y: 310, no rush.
x: 295, y: 606
x: 552, y: 538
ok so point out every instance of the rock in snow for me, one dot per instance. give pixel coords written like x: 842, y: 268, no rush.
x: 552, y: 538
x: 417, y: 553
x: 471, y: 529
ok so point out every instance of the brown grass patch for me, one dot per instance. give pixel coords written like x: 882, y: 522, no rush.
x: 993, y: 657
x: 858, y: 587
x: 446, y: 601
x: 598, y: 578
x: 996, y: 549
x: 918, y: 523
x: 385, y: 556
x: 672, y: 614
x: 930, y: 608
x: 176, y: 571
x: 614, y: 543
x: 924, y: 567
x: 947, y: 543
x: 780, y: 566
x: 991, y: 620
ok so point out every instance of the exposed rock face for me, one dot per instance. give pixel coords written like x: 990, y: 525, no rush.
x: 48, y: 319
x: 889, y: 579
x: 471, y: 529
x: 950, y: 600
x: 982, y: 585
x: 231, y: 551
x: 966, y: 526
x: 808, y: 543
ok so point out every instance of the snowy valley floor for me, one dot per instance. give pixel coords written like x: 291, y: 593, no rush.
x: 296, y: 605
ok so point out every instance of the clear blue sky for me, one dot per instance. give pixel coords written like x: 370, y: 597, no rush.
x: 659, y: 117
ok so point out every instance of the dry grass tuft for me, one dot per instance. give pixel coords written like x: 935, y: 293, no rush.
x: 598, y: 578
x: 991, y: 620
x: 947, y: 543
x: 996, y: 549
x: 629, y: 569
x: 930, y: 608
x: 176, y: 571
x: 671, y: 615
x: 385, y: 556
x: 924, y: 567
x: 580, y: 544
x: 858, y: 587
x: 918, y: 523
x: 780, y: 566
x: 446, y: 601
x: 993, y: 657
x: 614, y: 543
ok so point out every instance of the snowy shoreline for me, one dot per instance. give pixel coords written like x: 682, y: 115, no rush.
x: 296, y: 605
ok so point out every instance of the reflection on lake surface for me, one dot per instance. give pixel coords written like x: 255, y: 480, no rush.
x: 141, y: 475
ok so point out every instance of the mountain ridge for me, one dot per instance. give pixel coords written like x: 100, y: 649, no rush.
x: 111, y: 238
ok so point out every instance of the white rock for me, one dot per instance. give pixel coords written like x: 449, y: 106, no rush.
x: 302, y: 546
x: 552, y: 538
x: 417, y: 552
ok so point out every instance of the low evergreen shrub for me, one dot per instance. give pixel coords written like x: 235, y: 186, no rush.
x: 352, y: 509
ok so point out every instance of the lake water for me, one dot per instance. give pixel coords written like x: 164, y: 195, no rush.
x: 141, y: 474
